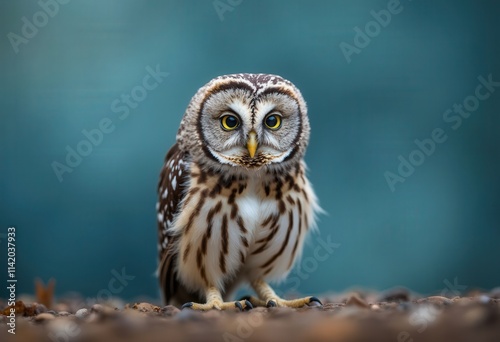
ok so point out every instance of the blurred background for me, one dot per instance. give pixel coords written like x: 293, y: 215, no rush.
x: 71, y: 67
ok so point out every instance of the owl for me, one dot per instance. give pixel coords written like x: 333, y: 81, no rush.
x: 234, y: 203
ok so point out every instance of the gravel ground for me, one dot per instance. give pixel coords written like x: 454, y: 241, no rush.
x: 396, y: 315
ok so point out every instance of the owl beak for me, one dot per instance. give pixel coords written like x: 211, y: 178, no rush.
x: 252, y: 143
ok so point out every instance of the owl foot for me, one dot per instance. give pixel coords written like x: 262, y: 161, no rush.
x: 241, y: 305
x: 254, y: 301
x: 294, y: 303
x: 278, y: 302
x: 268, y: 298
x: 214, y: 301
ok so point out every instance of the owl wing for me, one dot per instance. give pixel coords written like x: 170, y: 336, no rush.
x: 171, y: 191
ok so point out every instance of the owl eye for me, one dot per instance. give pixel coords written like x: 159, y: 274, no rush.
x: 273, y: 121
x: 229, y: 122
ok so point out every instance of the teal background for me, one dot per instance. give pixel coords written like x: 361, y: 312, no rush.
x: 442, y: 223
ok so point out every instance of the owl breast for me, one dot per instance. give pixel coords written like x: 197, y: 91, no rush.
x: 252, y: 225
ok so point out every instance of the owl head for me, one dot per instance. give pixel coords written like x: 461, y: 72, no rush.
x: 249, y: 121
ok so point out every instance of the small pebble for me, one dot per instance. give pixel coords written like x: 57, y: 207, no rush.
x: 40, y: 308
x: 61, y: 307
x: 355, y: 300
x: 97, y: 308
x: 44, y: 317
x: 103, y: 310
x: 484, y: 299
x: 399, y: 294
x: 439, y: 300
x: 146, y: 307
x: 30, y: 310
x: 82, y: 313
x: 169, y: 311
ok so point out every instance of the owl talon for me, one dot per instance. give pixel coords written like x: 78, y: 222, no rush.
x: 313, y: 301
x: 271, y: 304
x: 254, y: 301
x: 187, y: 305
x: 248, y: 305
x: 238, y: 305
